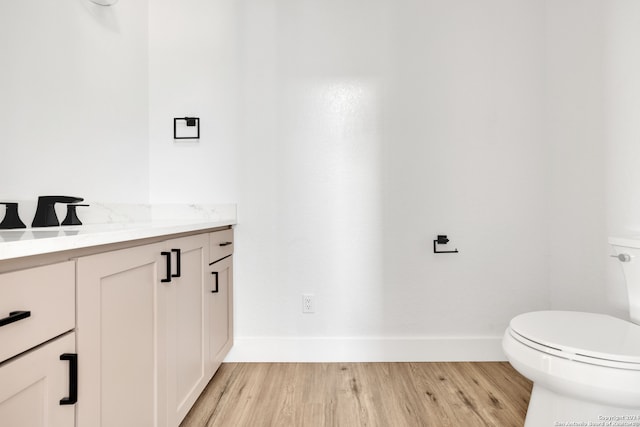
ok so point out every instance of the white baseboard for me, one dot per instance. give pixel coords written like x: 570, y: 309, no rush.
x: 358, y: 349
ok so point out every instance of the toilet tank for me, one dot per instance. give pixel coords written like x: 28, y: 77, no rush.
x: 628, y: 252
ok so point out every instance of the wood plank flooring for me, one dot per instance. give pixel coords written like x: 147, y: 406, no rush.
x: 439, y: 394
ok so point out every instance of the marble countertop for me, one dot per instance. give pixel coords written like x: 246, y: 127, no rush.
x: 38, y: 241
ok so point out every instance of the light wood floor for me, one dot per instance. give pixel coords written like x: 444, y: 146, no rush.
x: 363, y: 394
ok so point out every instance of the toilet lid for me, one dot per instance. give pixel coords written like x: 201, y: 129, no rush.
x: 597, y: 336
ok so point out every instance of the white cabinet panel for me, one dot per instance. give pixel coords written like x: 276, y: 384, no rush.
x: 118, y: 333
x: 48, y: 295
x: 220, y: 300
x: 186, y: 331
x: 32, y: 385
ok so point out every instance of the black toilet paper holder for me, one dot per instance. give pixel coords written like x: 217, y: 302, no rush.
x: 442, y: 240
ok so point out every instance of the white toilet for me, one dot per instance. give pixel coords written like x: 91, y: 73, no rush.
x: 585, y: 367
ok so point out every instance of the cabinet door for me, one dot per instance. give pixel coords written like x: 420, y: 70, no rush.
x: 187, y: 337
x: 32, y: 385
x: 220, y: 300
x: 119, y: 329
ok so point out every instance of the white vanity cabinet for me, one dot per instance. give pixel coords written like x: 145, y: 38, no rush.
x: 38, y: 369
x: 134, y: 330
x: 144, y: 332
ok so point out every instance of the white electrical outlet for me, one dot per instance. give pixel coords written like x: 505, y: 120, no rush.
x: 308, y: 305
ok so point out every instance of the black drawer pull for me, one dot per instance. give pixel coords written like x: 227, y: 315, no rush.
x: 226, y: 243
x: 178, y: 255
x: 215, y: 273
x: 73, y: 378
x: 167, y: 278
x: 14, y: 316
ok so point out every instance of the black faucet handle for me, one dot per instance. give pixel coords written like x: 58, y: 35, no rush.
x: 46, y: 213
x: 11, y: 218
x: 72, y: 216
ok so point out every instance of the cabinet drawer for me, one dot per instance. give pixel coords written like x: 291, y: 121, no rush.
x: 47, y: 294
x: 220, y: 244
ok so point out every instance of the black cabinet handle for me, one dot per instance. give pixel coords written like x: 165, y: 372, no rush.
x: 226, y: 243
x: 215, y: 274
x: 14, y: 316
x: 178, y: 255
x: 167, y: 278
x: 73, y: 378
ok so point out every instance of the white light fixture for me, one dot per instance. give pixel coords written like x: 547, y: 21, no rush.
x: 105, y: 2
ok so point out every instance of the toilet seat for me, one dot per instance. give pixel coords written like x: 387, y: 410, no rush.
x: 591, y: 338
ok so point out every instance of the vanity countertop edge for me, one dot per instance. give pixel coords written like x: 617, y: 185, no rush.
x: 40, y: 241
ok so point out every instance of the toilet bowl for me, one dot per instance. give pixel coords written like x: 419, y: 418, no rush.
x: 585, y: 367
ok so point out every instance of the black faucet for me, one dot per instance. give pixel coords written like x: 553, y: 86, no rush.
x: 46, y: 213
x: 11, y: 217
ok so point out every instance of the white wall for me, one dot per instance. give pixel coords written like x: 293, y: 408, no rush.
x: 622, y: 132
x: 350, y: 133
x: 89, y: 94
x: 574, y: 121
x: 509, y: 125
x: 74, y: 100
x: 193, y: 69
x: 593, y: 103
x: 593, y: 93
x: 369, y: 128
